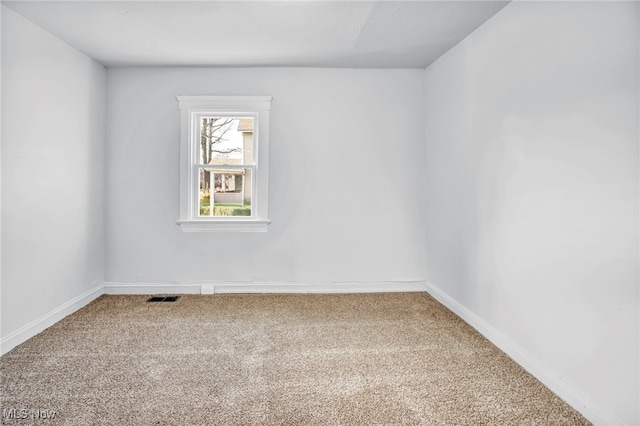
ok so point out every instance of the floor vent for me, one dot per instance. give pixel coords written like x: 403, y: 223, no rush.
x: 163, y: 299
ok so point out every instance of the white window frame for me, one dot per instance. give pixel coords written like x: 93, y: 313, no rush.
x: 192, y: 108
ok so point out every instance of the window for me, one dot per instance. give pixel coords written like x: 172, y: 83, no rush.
x: 224, y: 169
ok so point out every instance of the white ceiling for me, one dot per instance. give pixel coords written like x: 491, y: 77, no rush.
x: 358, y: 34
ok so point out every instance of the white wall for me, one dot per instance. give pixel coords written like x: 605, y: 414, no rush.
x: 531, y: 183
x: 346, y: 178
x: 532, y: 190
x: 53, y: 117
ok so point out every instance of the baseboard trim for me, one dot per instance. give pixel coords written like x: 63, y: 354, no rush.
x: 267, y: 287
x: 578, y: 400
x: 593, y: 411
x: 36, y: 326
x: 112, y: 288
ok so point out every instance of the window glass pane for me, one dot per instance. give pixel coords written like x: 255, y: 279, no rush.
x: 226, y: 140
x: 225, y: 192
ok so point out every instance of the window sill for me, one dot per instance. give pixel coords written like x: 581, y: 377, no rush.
x: 238, y: 225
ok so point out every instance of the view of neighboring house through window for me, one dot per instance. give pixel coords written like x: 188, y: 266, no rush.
x: 226, y: 168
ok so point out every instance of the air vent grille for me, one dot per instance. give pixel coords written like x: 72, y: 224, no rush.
x: 154, y: 299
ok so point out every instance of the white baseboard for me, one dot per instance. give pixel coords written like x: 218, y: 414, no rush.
x: 266, y: 287
x: 34, y: 327
x: 593, y: 411
x: 149, y: 288
x: 578, y: 400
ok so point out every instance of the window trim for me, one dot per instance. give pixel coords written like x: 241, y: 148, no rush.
x: 193, y: 107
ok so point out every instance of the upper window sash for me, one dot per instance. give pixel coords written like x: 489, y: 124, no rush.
x: 198, y: 115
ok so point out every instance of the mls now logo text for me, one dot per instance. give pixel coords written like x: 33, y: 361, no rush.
x: 24, y: 413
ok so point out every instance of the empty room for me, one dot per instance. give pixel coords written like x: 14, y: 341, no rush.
x: 320, y: 212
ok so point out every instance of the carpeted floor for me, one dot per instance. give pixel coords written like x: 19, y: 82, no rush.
x: 392, y: 358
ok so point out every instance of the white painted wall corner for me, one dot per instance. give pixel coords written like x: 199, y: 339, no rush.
x: 38, y: 325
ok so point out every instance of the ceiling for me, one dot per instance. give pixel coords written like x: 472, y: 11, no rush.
x: 354, y: 34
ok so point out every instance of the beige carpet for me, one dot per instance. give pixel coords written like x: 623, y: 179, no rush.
x: 399, y: 358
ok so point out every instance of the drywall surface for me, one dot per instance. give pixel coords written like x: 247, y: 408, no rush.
x: 53, y: 118
x: 345, y: 193
x: 532, y: 188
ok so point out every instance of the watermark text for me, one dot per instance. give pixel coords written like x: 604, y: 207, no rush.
x: 28, y: 413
